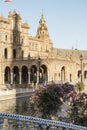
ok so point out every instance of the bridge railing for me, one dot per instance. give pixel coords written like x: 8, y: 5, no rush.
x: 32, y: 123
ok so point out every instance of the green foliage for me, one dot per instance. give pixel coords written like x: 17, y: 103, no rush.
x: 47, y: 101
x: 78, y: 110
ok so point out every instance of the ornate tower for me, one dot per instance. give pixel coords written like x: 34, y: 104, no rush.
x: 16, y: 26
x: 42, y: 31
x: 43, y: 34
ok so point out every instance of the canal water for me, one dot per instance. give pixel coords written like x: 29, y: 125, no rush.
x: 19, y: 105
x: 15, y: 105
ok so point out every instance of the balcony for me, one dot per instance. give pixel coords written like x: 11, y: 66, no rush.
x: 24, y: 58
x: 20, y: 122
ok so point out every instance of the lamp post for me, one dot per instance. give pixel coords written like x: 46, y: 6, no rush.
x: 81, y: 59
x: 39, y: 62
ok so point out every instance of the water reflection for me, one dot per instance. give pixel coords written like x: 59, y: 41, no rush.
x: 16, y: 105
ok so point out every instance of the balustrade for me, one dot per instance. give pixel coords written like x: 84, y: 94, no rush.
x: 33, y: 123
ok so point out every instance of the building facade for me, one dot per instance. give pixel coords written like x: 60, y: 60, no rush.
x: 25, y: 59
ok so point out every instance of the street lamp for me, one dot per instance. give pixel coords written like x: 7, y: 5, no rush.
x: 39, y: 62
x: 81, y: 59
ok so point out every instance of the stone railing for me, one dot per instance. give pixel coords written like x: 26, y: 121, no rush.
x: 25, y: 58
x: 32, y: 123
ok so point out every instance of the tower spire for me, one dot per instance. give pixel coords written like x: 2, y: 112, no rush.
x: 42, y: 31
x: 42, y: 11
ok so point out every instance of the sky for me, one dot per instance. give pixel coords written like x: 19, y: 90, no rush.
x: 66, y: 19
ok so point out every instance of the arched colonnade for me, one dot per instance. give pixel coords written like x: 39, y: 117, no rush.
x: 25, y: 75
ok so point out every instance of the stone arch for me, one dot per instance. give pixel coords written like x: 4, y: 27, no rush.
x: 33, y: 73
x: 43, y: 73
x: 47, y: 64
x: 15, y: 75
x: 33, y: 64
x: 79, y: 73
x: 85, y: 74
x: 63, y: 73
x: 24, y: 71
x: 7, y: 75
x: 26, y: 65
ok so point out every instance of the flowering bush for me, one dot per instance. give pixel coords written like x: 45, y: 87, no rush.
x: 47, y: 101
x: 78, y: 109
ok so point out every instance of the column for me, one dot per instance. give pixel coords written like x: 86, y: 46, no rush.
x: 3, y: 78
x: 35, y: 126
x: 52, y: 128
x: 37, y: 76
x: 27, y: 125
x: 60, y: 128
x: 48, y: 76
x: 29, y: 77
x: 19, y: 77
x: 52, y: 76
x: 66, y: 129
x: 19, y: 125
x: 59, y: 75
x: 44, y: 126
x: 10, y: 122
x: 1, y: 124
x: 11, y: 77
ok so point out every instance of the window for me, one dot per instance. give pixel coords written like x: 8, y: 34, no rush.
x: 14, y: 53
x: 5, y: 53
x: 5, y: 37
x: 79, y: 73
x: 85, y: 74
x: 39, y: 37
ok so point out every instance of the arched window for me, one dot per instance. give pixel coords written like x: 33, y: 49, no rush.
x: 63, y: 73
x: 43, y: 74
x: 33, y: 74
x: 79, y: 73
x: 7, y: 75
x: 5, y: 53
x: 24, y: 75
x: 14, y: 53
x: 16, y: 75
x: 5, y: 37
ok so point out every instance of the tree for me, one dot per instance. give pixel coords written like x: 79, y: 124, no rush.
x: 47, y: 101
